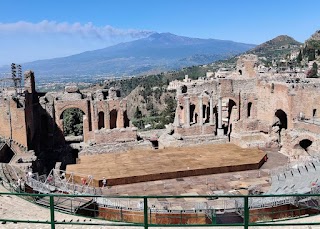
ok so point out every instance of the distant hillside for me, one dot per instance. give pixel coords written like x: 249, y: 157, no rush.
x: 154, y: 54
x: 314, y: 41
x: 277, y: 48
x: 278, y: 42
x: 311, y: 53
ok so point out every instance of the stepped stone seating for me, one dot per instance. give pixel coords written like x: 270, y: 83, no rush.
x: 298, y: 179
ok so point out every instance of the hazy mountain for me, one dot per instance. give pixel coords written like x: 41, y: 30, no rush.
x: 158, y: 52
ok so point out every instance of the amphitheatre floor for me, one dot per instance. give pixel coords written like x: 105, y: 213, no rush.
x: 15, y: 207
x: 147, y: 165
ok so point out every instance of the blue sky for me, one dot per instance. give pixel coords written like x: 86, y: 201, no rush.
x: 38, y: 29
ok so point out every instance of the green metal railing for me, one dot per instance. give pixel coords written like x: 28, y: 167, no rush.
x: 264, y: 218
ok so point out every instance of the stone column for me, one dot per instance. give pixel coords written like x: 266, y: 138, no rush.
x: 120, y: 121
x: 220, y: 130
x: 211, y: 112
x: 187, y: 111
x: 200, y: 111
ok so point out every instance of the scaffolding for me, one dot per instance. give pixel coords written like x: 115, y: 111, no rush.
x: 13, y: 80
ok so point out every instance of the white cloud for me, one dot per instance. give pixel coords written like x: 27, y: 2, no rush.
x: 24, y: 41
x: 77, y: 29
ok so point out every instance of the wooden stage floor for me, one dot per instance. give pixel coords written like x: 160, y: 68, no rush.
x: 148, y: 165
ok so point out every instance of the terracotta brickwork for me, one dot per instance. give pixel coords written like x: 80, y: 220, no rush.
x: 274, y: 109
x: 34, y: 121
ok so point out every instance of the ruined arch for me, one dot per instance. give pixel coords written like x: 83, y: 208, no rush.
x: 303, y: 146
x: 113, y: 118
x: 206, y: 112
x: 305, y: 143
x: 282, y: 121
x: 231, y: 116
x: 192, y: 113
x: 101, y: 120
x: 231, y: 105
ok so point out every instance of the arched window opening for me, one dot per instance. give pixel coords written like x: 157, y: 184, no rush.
x: 101, y: 120
x: 113, y: 119
x: 231, y: 116
x: 192, y: 113
x: 305, y: 143
x: 204, y: 113
x: 282, y: 121
x: 207, y: 114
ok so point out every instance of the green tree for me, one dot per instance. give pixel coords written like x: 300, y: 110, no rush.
x: 169, y: 112
x: 299, y: 57
x: 73, y: 122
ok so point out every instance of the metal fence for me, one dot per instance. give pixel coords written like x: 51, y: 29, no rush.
x: 147, y: 216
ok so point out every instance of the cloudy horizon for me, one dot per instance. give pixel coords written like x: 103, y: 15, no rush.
x: 50, y: 39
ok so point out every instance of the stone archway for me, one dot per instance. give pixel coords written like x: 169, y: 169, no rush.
x: 101, y: 120
x: 304, y: 144
x: 282, y: 119
x: 72, y: 121
x: 280, y: 123
x: 192, y: 113
x: 302, y: 147
x: 231, y: 117
x: 113, y: 119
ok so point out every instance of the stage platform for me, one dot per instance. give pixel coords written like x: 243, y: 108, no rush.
x: 150, y: 165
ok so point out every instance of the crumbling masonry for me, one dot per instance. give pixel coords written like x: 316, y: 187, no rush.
x: 32, y: 123
x: 253, y: 110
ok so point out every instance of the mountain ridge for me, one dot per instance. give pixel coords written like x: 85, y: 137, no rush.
x: 160, y: 51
